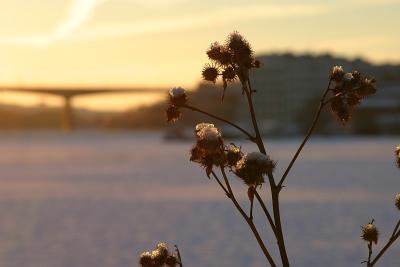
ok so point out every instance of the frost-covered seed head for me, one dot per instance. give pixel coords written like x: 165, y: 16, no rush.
x: 157, y: 258
x: 252, y: 166
x: 163, y: 249
x: 370, y: 233
x: 233, y: 155
x: 208, y: 137
x: 145, y: 259
x: 397, y: 201
x: 178, y: 96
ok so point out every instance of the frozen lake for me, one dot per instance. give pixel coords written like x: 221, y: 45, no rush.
x: 99, y: 199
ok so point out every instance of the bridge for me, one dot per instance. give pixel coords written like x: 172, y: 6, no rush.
x: 68, y: 93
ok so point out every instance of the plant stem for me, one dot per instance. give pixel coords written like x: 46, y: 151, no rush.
x: 391, y: 240
x: 274, y: 189
x: 248, y: 90
x: 250, y: 136
x: 179, y: 256
x: 310, y: 131
x: 248, y: 220
x: 277, y: 218
x: 369, y: 254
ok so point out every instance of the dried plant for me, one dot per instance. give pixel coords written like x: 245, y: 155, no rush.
x: 231, y: 62
x: 161, y: 257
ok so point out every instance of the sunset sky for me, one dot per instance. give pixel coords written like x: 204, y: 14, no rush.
x: 162, y: 42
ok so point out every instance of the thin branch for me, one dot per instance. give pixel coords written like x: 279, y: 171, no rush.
x: 396, y: 228
x: 274, y: 190
x: 264, y: 208
x: 248, y: 90
x: 249, y: 221
x: 179, y: 256
x: 391, y: 240
x: 369, y: 254
x: 250, y: 136
x: 251, y: 207
x: 310, y: 131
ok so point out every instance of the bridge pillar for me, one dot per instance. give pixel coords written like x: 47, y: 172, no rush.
x: 67, y: 116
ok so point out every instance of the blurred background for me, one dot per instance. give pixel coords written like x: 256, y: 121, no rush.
x: 92, y: 175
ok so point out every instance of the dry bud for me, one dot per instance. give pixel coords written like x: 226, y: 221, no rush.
x: 220, y: 54
x: 145, y: 259
x: 337, y: 73
x: 367, y: 87
x: 239, y: 45
x: 229, y: 74
x: 397, y: 201
x: 252, y: 166
x: 173, y: 113
x: 233, y: 155
x: 177, y: 96
x: 210, y: 73
x: 397, y: 153
x: 370, y: 233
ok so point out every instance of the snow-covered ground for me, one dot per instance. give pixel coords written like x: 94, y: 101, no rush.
x: 99, y: 199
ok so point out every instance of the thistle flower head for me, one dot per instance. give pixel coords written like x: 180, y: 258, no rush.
x: 163, y: 249
x: 337, y: 73
x: 397, y: 154
x: 145, y: 259
x: 177, y: 96
x: 219, y: 53
x: 397, y: 201
x: 171, y: 261
x: 210, y: 73
x: 252, y: 166
x: 208, y: 136
x: 208, y: 150
x: 239, y: 45
x: 173, y: 113
x: 369, y: 233
x: 157, y: 258
x: 233, y: 155
x: 367, y: 87
x: 229, y: 74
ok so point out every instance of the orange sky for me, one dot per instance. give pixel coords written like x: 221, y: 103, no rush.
x: 162, y: 42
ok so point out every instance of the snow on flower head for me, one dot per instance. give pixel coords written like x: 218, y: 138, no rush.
x: 208, y: 136
x: 370, y: 233
x: 177, y: 96
x: 252, y: 166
